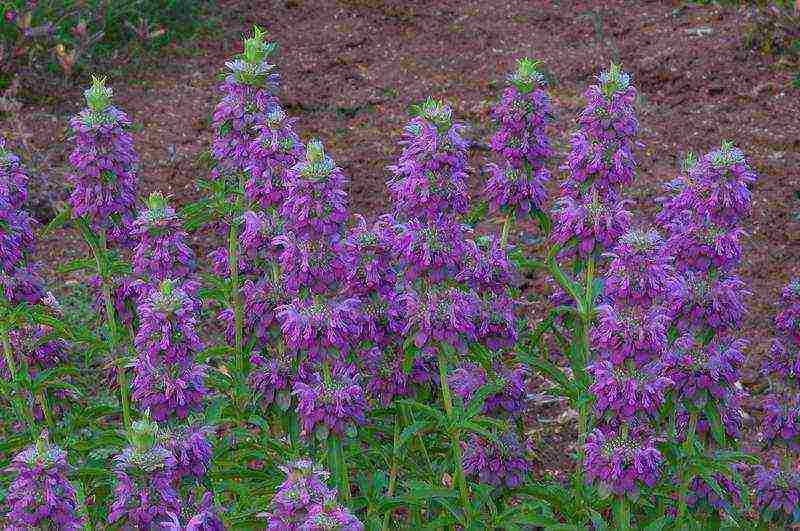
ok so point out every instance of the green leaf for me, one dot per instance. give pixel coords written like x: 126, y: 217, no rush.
x: 57, y: 222
x: 413, y: 429
x: 717, y: 428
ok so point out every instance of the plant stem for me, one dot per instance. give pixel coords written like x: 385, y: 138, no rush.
x: 586, y: 322
x: 506, y: 226
x: 236, y: 305
x: 624, y: 515
x: 393, y: 470
x: 688, y: 447
x: 458, y: 466
x: 19, y: 401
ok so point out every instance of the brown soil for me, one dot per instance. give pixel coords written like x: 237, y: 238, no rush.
x: 352, y: 67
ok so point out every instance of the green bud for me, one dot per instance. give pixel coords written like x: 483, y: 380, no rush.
x: 98, y: 96
x: 527, y: 76
x: 315, y: 152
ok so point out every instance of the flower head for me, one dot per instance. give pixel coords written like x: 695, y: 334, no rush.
x: 622, y: 462
x: 334, y: 405
x: 497, y: 463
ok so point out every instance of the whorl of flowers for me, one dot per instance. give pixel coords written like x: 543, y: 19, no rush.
x: 731, y: 415
x: 486, y: 266
x: 701, y: 493
x: 191, y: 448
x: 317, y: 265
x: 316, y: 201
x: 620, y: 461
x: 384, y: 377
x: 783, y: 361
x: 103, y: 178
x: 630, y: 332
x: 625, y: 392
x: 275, y: 150
x: 304, y: 502
x: 781, y: 420
x: 788, y: 319
x: 429, y: 179
x: 640, y: 268
x: 701, y: 245
x: 496, y: 463
x: 693, y: 301
x: 697, y: 369
x: 167, y: 379
x: 18, y: 278
x: 321, y: 328
x: 441, y: 315
x: 161, y: 250
x: 716, y: 187
x: 144, y: 495
x: 249, y: 89
x: 261, y: 301
x: 496, y: 323
x: 367, y: 255
x: 510, y: 398
x: 273, y: 376
x: 601, y: 151
x: 590, y: 222
x: 203, y: 518
x: 41, y: 496
x: 521, y: 140
x: 39, y: 349
x: 433, y: 251
x: 331, y: 404
x: 777, y: 491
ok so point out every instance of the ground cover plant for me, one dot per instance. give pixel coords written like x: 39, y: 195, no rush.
x: 329, y: 372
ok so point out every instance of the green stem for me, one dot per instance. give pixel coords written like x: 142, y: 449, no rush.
x: 688, y: 447
x: 18, y: 399
x: 506, y: 226
x: 393, y: 470
x: 455, y: 439
x: 623, y: 515
x: 236, y: 304
x: 586, y: 322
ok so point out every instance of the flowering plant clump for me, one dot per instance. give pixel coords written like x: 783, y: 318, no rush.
x: 392, y: 365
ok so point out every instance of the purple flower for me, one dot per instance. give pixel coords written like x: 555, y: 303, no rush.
x: 192, y: 451
x: 622, y: 461
x: 429, y: 179
x: 258, y: 249
x: 261, y: 301
x: 368, y: 257
x: 272, y: 378
x: 486, y: 266
x: 624, y: 392
x: 144, y: 495
x: 275, y: 150
x: 640, y: 268
x: 382, y: 318
x: 496, y: 324
x: 777, y: 491
x: 248, y: 96
x: 331, y: 405
x: 781, y: 421
x: 730, y: 410
x: 303, y: 488
x: 435, y: 251
x: 510, y: 398
x: 330, y: 516
x: 589, y: 223
x: 701, y: 245
x: 508, y: 188
x: 205, y: 518
x: 317, y: 265
x: 694, y: 301
x: 316, y: 200
x: 384, y: 377
x: 104, y: 181
x: 718, y: 186
x: 167, y: 379
x: 161, y: 250
x: 695, y: 368
x: 630, y: 332
x: 323, y: 328
x: 443, y: 315
x: 788, y: 320
x: 497, y: 463
x: 700, y: 493
x: 782, y: 361
x: 41, y: 496
x: 601, y: 152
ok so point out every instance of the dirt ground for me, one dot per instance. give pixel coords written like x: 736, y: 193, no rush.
x: 351, y: 68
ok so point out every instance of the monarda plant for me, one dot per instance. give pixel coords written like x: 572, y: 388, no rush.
x: 322, y: 369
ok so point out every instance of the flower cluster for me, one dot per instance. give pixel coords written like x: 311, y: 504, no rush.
x: 41, y: 496
x: 521, y: 141
x: 248, y: 90
x: 304, y: 502
x: 777, y: 492
x: 331, y: 403
x: 498, y: 463
x: 620, y: 461
x: 510, y: 397
x: 168, y: 381
x: 18, y: 276
x: 600, y: 162
x: 104, y: 181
